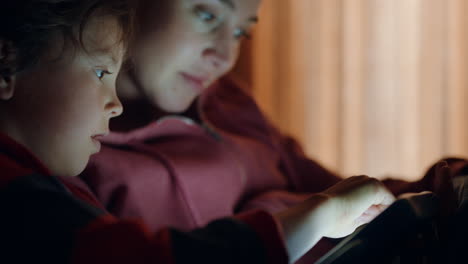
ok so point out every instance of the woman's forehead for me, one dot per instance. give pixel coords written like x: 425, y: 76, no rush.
x: 243, y: 6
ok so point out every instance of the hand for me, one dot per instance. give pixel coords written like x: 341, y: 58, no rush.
x: 336, y: 212
x: 353, y: 202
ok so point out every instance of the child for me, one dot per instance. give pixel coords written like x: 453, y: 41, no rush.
x: 59, y: 60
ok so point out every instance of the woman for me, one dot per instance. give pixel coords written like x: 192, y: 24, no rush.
x: 217, y: 158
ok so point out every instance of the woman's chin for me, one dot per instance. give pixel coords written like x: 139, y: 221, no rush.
x: 176, y: 106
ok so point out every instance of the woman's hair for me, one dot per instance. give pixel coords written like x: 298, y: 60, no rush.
x: 28, y: 28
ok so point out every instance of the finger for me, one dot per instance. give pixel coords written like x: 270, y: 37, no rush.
x: 385, y: 197
x: 375, y: 193
x: 374, y: 209
x: 365, y: 218
x: 372, y: 212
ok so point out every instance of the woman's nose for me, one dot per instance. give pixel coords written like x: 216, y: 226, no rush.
x: 222, y: 53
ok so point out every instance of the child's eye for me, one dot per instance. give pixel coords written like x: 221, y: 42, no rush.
x: 205, y: 15
x: 240, y: 33
x: 101, y: 73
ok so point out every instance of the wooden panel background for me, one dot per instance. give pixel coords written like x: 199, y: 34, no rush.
x: 375, y: 87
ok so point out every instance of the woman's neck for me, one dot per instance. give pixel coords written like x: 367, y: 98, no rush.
x: 137, y: 113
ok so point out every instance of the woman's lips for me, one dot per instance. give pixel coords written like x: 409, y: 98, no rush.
x: 197, y: 82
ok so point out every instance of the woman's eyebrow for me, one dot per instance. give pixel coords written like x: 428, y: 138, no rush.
x: 229, y: 4
x: 254, y: 20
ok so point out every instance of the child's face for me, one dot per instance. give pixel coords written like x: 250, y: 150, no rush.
x: 59, y: 108
x: 187, y: 45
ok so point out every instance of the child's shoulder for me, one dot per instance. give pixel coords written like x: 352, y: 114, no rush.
x: 16, y: 162
x: 11, y: 170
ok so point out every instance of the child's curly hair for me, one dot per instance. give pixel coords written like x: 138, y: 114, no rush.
x: 28, y: 27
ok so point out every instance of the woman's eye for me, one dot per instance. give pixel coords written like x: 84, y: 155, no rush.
x: 241, y: 33
x: 101, y: 73
x: 204, y: 15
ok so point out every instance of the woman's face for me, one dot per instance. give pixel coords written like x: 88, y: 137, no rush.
x: 186, y: 45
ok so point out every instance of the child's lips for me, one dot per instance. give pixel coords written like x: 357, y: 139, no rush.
x: 100, y: 136
x: 97, y: 144
x: 96, y: 140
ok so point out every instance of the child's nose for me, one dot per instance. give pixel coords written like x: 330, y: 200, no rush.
x: 114, y: 107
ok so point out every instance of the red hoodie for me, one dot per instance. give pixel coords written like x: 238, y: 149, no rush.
x: 185, y: 173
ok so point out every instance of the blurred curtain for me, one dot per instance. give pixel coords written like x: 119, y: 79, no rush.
x: 375, y: 87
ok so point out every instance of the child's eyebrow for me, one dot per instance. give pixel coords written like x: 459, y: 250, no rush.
x: 107, y: 55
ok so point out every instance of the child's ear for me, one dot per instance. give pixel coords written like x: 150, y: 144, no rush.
x: 7, y: 67
x: 7, y: 87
